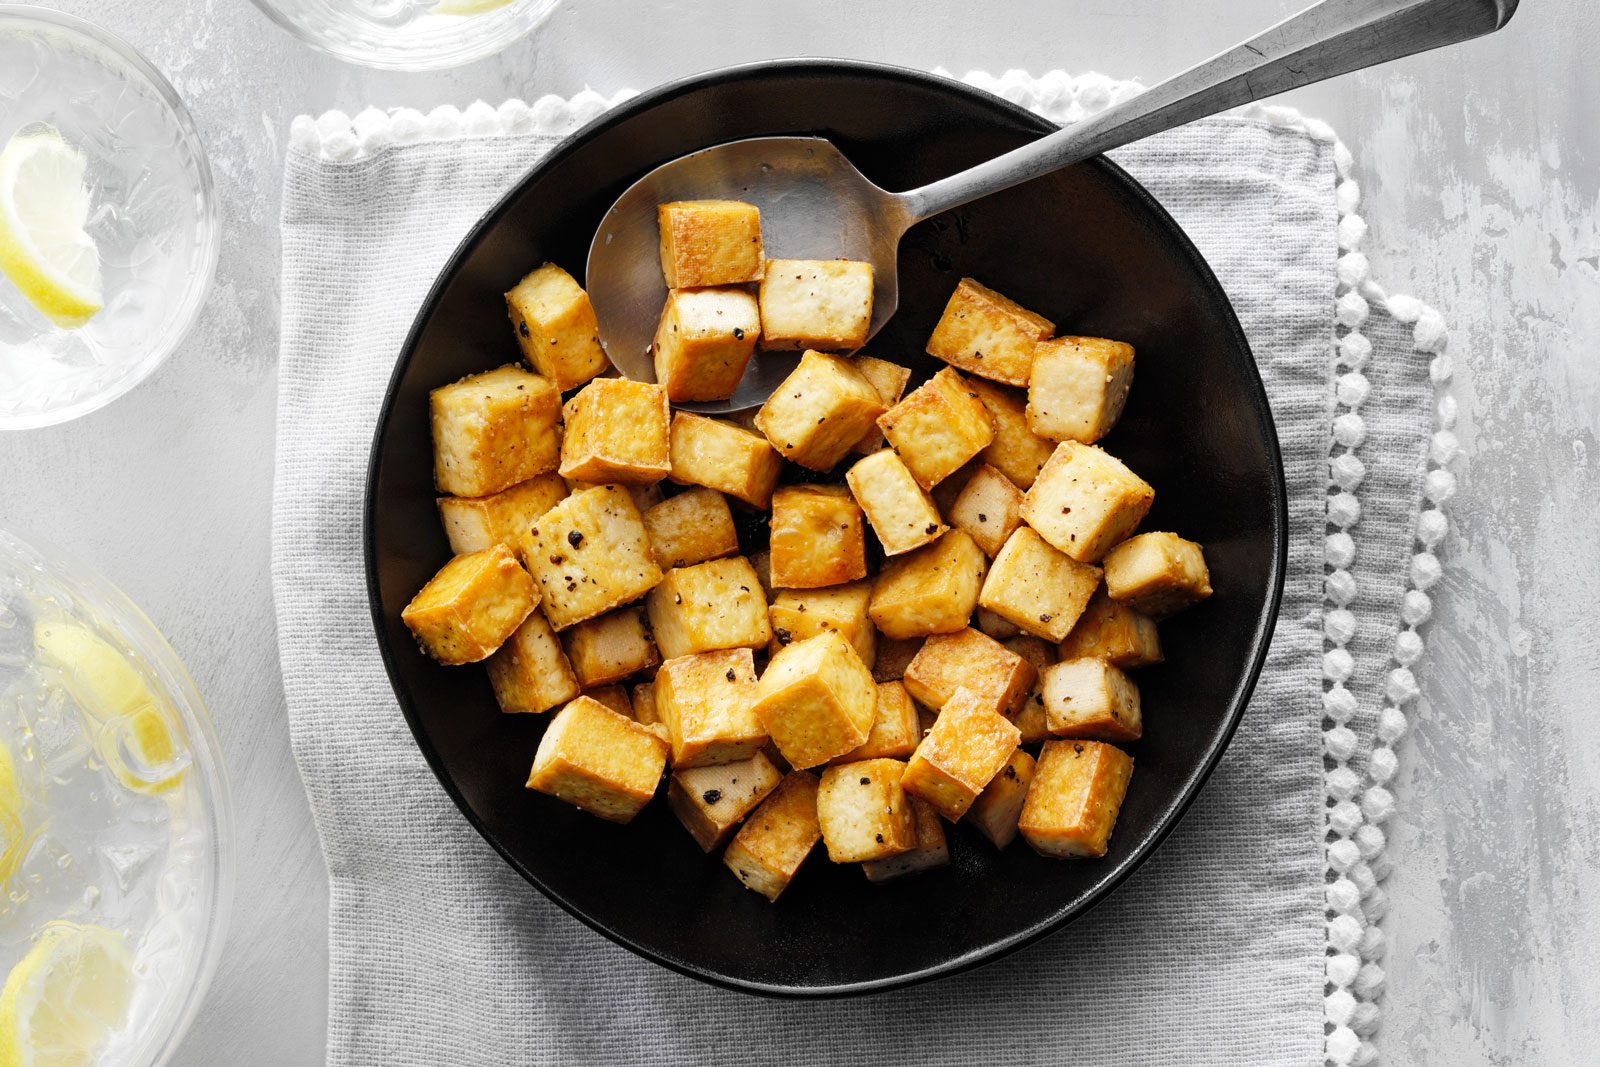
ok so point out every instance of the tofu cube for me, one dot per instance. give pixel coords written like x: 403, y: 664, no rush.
x: 690, y: 528
x: 996, y: 627
x: 643, y: 699
x: 1078, y: 387
x: 710, y: 242
x: 706, y: 702
x: 530, y: 673
x: 704, y: 342
x: 493, y: 430
x: 817, y: 699
x: 797, y: 614
x: 894, y: 656
x: 1039, y: 589
x: 864, y: 812
x: 989, y: 508
x: 818, y: 537
x: 1072, y: 805
x: 712, y: 801
x: 1157, y: 573
x: 556, y: 327
x: 987, y: 334
x: 816, y: 303
x: 822, y: 408
x: 999, y: 806
x: 1016, y: 451
x: 473, y: 524
x: 960, y: 756
x: 1085, y: 501
x: 896, y: 729
x: 901, y: 512
x: 930, y: 852
x: 721, y: 456
x: 1091, y: 698
x: 590, y: 553
x: 1114, y: 632
x: 616, y: 431
x: 1030, y: 717
x: 930, y: 591
x: 709, y: 606
x: 644, y: 496
x: 471, y: 606
x: 610, y: 647
x: 996, y: 678
x: 889, y: 379
x: 775, y: 840
x: 936, y: 429
x: 603, y: 762
x: 616, y: 698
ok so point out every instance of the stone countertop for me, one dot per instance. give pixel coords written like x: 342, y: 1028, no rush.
x: 1480, y: 171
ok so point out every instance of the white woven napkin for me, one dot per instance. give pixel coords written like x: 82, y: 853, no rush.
x: 1249, y: 938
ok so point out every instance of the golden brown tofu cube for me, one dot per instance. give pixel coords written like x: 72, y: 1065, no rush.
x: 1072, y: 804
x: 967, y: 747
x: 644, y: 497
x: 1157, y: 573
x: 889, y: 379
x: 493, y: 430
x: 818, y: 537
x: 1085, y: 501
x: 816, y: 303
x: 817, y: 699
x: 616, y: 431
x: 710, y: 242
x: 988, y: 334
x: 643, y: 699
x: 704, y: 342
x: 901, y: 511
x: 690, y: 528
x: 775, y: 840
x: 1078, y: 387
x: 712, y: 801
x: 1091, y: 698
x: 1030, y: 717
x: 471, y: 606
x: 530, y: 673
x: 864, y: 812
x: 894, y: 656
x: 707, y: 703
x: 1114, y: 632
x: 998, y: 807
x: 556, y: 327
x: 603, y: 762
x: 713, y: 605
x: 721, y: 456
x: 997, y: 678
x: 989, y: 508
x: 996, y: 627
x: 616, y: 698
x: 930, y: 591
x: 590, y: 553
x: 938, y: 428
x: 1039, y: 589
x: 929, y: 853
x: 610, y: 647
x: 797, y: 614
x: 1016, y: 451
x: 473, y: 524
x: 896, y: 729
x: 820, y: 410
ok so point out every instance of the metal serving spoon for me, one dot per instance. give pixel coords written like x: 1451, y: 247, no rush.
x: 816, y: 205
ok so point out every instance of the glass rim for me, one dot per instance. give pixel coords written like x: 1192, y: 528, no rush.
x: 469, y: 51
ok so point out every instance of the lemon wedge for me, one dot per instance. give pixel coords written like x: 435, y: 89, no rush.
x: 65, y: 997
x: 12, y: 832
x: 467, y: 7
x: 44, y: 205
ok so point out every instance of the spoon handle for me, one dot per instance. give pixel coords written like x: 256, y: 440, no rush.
x: 1329, y: 38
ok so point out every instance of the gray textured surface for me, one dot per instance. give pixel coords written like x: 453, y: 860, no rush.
x: 1481, y: 171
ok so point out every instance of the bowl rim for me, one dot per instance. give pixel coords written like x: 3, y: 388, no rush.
x: 1260, y: 643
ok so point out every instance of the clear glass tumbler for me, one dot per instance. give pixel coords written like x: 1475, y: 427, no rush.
x: 408, y: 34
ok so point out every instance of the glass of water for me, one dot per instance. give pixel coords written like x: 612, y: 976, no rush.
x: 408, y: 34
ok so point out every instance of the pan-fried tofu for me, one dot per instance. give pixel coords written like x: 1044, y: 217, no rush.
x: 929, y: 853
x: 999, y: 806
x: 889, y: 379
x: 644, y: 497
x: 471, y: 606
x: 616, y: 431
x: 1157, y: 573
x: 818, y: 537
x: 1041, y: 590
x: 712, y: 801
x: 797, y: 614
x: 989, y: 508
x: 996, y: 627
x: 709, y: 606
x: 642, y: 697
x: 616, y: 698
x: 816, y: 303
x: 987, y: 334
x: 690, y: 528
x: 894, y: 656
x: 1085, y: 501
x: 997, y: 679
x: 721, y: 456
x: 930, y: 591
x: 901, y: 512
x: 493, y: 430
x: 710, y: 242
x: 473, y: 524
x: 864, y: 812
x: 530, y: 673
x: 706, y: 701
x: 590, y: 553
x: 603, y: 762
x: 896, y: 730
x: 556, y: 328
x: 1072, y: 805
x: 938, y: 427
x: 610, y: 647
x: 822, y: 408
x: 775, y: 840
x: 1016, y: 451
x: 704, y: 342
x: 967, y: 746
x: 1030, y: 717
x: 1113, y: 632
x: 1078, y: 387
x: 817, y: 699
x: 1091, y: 698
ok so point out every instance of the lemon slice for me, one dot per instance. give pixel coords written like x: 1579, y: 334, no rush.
x: 44, y: 205
x: 467, y: 7
x: 141, y: 751
x: 65, y: 997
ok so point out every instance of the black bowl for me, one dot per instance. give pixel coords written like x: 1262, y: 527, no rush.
x: 1089, y: 248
